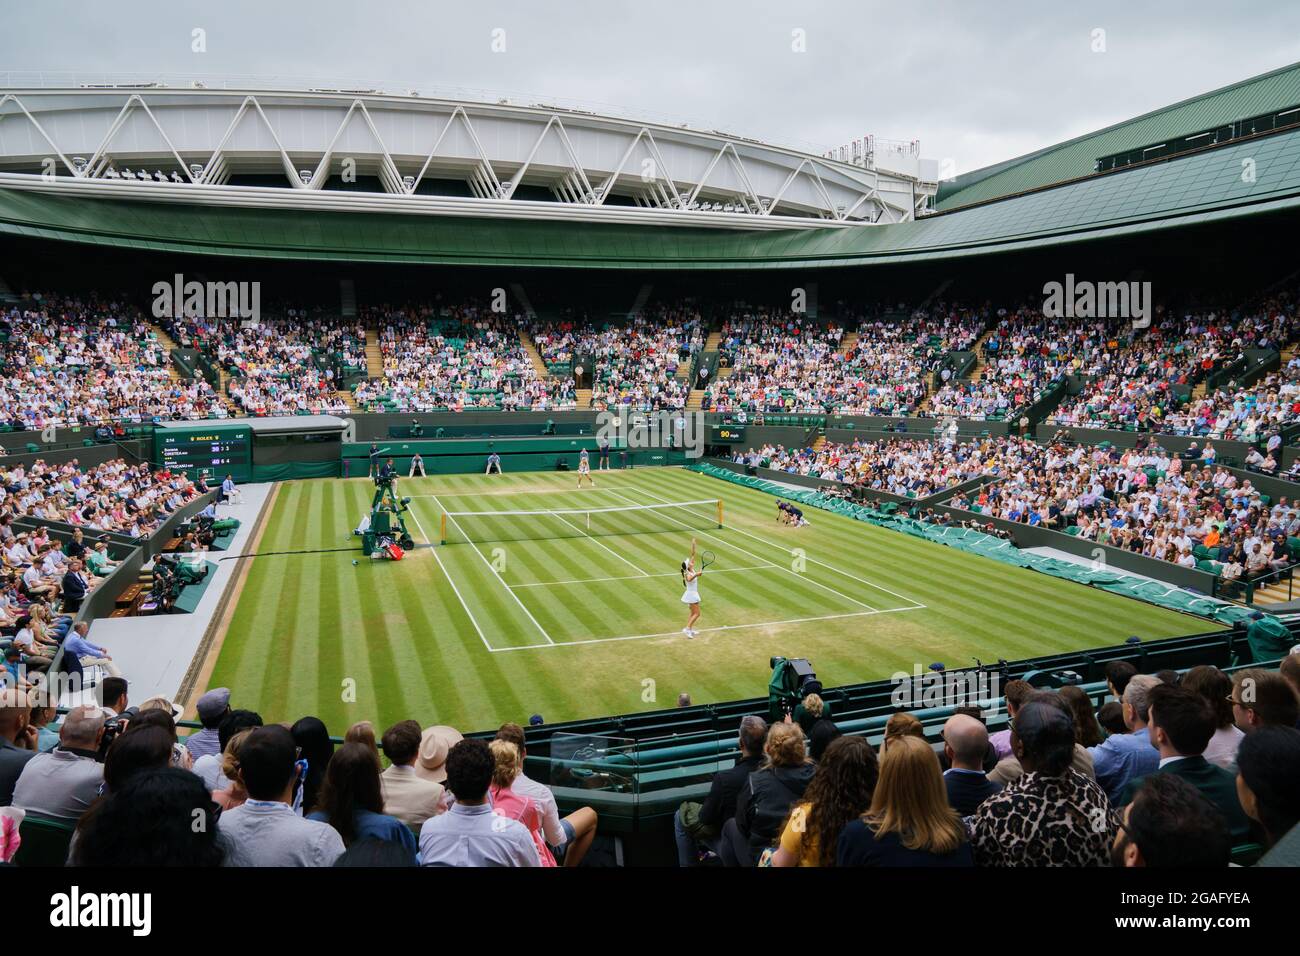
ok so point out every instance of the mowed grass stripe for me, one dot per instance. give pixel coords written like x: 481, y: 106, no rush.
x: 503, y: 620
x: 430, y: 664
x: 815, y: 586
x: 449, y: 643
x: 745, y: 531
x: 245, y: 662
x: 973, y: 579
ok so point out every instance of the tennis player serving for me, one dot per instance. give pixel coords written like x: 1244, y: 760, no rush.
x: 691, y: 578
x: 584, y: 469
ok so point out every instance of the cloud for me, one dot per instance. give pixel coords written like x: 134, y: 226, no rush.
x: 974, y: 82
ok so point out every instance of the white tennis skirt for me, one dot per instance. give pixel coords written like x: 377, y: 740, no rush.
x: 691, y: 597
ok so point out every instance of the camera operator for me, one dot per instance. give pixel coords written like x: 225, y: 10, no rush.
x: 117, y: 712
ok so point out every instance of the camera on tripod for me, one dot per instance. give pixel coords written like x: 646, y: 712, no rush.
x: 792, y: 680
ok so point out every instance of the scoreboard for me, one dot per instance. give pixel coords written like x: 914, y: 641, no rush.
x: 214, y: 450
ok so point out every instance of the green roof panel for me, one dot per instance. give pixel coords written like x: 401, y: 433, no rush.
x: 1077, y: 157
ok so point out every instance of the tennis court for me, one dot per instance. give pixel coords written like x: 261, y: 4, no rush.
x: 575, y: 610
x: 560, y: 556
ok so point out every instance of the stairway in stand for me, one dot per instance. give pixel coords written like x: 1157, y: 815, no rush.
x: 168, y: 343
x: 374, y: 355
x: 817, y: 445
x: 975, y: 370
x: 848, y: 343
x: 534, y: 356
x: 1276, y: 592
x: 582, y: 397
x: 980, y: 363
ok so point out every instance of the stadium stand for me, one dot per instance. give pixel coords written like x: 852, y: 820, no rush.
x: 1181, y: 749
x: 67, y: 360
x: 458, y: 357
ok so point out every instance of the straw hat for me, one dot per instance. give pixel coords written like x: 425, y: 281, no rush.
x: 435, y: 743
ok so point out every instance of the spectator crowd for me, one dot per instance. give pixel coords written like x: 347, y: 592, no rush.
x: 77, y: 360
x: 127, y: 788
x: 455, y: 358
x: 1192, y: 770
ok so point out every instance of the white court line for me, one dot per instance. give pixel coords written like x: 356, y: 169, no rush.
x: 732, y: 544
x: 782, y: 547
x: 722, y: 627
x: 497, y: 576
x: 450, y: 580
x: 637, y: 577
x: 589, y: 536
x: 490, y: 494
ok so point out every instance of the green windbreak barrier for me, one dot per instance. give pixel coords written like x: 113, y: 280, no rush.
x: 998, y: 549
x: 296, y: 469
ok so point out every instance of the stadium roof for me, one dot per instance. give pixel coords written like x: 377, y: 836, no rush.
x: 1194, y: 188
x: 1077, y: 157
x: 1016, y: 205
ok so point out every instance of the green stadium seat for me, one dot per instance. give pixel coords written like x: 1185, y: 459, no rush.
x: 1247, y: 854
x: 44, y: 842
x: 32, y: 447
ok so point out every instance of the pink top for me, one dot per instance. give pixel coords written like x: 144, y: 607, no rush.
x: 507, y: 803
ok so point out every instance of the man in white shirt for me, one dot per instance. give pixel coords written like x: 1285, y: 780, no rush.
x: 17, y: 554
x: 265, y: 830
x: 470, y: 834
x: 37, y: 583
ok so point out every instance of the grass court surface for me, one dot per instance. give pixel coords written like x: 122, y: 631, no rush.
x: 549, y: 614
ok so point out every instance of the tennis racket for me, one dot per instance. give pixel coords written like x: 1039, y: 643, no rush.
x: 707, y: 558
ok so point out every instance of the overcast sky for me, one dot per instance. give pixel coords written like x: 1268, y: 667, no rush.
x: 975, y: 82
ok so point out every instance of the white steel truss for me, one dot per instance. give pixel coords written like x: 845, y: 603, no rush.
x: 209, y: 140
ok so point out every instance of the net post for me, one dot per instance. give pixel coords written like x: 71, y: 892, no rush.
x: 719, y: 512
x: 442, y: 536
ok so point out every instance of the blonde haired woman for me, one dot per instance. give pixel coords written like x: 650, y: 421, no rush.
x: 909, y: 822
x: 507, y: 802
x: 899, y: 725
x: 235, y: 794
x: 766, y: 797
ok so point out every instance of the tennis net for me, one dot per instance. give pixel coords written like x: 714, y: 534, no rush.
x: 538, y: 524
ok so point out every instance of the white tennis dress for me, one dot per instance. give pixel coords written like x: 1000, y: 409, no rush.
x: 692, y: 595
